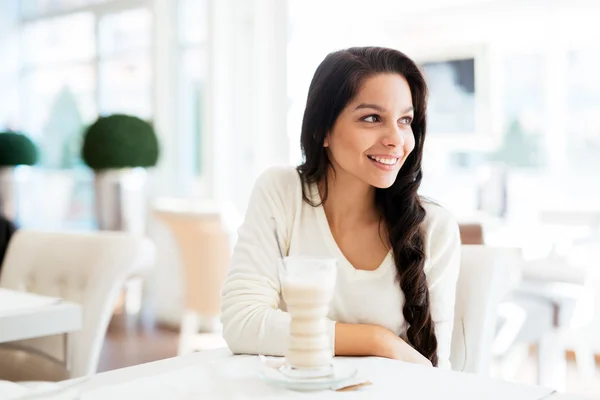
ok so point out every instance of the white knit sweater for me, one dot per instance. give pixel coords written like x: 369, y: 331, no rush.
x: 253, y: 311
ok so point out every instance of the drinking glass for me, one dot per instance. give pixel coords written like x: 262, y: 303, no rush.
x: 308, y: 285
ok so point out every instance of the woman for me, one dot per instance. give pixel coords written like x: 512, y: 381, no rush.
x: 354, y: 198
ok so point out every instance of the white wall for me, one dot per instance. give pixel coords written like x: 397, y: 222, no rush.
x: 246, y: 119
x: 258, y: 111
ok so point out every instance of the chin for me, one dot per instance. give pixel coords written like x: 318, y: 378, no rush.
x: 382, y: 185
x: 383, y: 182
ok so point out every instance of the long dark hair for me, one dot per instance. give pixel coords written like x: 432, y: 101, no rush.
x: 336, y: 82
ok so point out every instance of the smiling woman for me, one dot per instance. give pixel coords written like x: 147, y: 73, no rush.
x: 354, y: 198
x: 374, y: 130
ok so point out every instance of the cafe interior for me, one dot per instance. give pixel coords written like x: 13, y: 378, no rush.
x: 111, y: 271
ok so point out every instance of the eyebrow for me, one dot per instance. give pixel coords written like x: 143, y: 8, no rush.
x: 379, y: 108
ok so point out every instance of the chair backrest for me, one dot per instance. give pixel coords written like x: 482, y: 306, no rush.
x: 203, y: 241
x: 484, y: 280
x: 85, y: 268
x: 471, y: 233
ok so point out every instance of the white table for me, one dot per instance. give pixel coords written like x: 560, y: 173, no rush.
x: 25, y: 315
x: 566, y: 396
x: 217, y: 374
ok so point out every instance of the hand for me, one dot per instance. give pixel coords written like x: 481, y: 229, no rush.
x: 394, y: 347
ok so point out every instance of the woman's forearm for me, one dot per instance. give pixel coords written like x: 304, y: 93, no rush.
x: 373, y: 340
x: 359, y: 340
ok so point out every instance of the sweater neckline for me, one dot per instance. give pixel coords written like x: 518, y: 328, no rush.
x: 332, y: 245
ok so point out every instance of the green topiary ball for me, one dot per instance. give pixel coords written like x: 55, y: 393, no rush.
x: 120, y: 141
x: 16, y: 149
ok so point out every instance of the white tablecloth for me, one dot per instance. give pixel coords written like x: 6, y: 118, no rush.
x: 216, y: 374
x: 12, y: 301
x: 26, y: 315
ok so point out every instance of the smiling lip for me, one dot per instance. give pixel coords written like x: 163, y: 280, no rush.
x: 385, y: 162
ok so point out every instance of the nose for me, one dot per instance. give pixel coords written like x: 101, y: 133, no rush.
x: 394, y: 137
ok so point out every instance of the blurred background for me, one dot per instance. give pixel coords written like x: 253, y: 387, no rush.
x: 512, y: 149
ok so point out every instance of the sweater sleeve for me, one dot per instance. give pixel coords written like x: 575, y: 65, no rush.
x: 253, y: 322
x: 442, y: 276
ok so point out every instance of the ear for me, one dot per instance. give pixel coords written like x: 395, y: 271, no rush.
x: 326, y: 142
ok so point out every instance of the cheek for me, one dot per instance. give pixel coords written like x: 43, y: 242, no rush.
x: 409, y: 144
x: 348, y: 143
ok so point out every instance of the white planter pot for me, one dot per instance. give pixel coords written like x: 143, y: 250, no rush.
x: 120, y: 197
x: 8, y: 193
x: 54, y: 197
x: 14, y: 189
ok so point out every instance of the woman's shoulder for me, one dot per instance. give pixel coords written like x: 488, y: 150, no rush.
x: 442, y: 240
x: 440, y: 225
x: 279, y: 181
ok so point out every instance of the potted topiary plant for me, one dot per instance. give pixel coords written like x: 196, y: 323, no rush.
x: 119, y: 148
x: 15, y: 149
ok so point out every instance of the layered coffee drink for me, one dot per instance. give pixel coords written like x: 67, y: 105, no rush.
x: 308, y: 285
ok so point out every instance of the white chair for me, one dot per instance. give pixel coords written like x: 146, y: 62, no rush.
x: 85, y: 268
x: 558, y: 302
x: 577, y: 270
x: 557, y: 297
x: 203, y: 238
x: 484, y: 279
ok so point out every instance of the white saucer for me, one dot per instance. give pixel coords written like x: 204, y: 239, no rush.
x: 309, y: 373
x: 281, y: 377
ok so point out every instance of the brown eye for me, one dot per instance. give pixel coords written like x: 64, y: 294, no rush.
x: 371, y: 118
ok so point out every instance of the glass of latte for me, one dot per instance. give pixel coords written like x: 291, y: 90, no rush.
x: 308, y: 284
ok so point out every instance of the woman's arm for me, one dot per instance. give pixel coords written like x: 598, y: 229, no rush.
x: 442, y: 275
x: 250, y: 314
x: 374, y: 340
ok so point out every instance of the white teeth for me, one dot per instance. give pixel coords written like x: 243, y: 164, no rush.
x: 384, y: 160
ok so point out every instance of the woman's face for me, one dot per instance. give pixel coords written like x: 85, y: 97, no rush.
x: 372, y: 136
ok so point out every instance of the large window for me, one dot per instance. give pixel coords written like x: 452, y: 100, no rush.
x: 9, y: 69
x: 583, y: 94
x: 192, y: 33
x: 125, y: 65
x: 78, y: 59
x: 68, y: 61
x: 58, y: 85
x: 40, y: 8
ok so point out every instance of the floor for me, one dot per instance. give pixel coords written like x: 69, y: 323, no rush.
x: 130, y: 343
